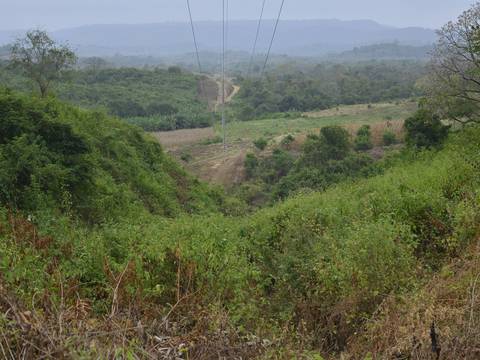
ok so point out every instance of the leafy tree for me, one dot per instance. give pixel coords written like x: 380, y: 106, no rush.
x: 425, y: 129
x: 42, y: 59
x: 453, y: 84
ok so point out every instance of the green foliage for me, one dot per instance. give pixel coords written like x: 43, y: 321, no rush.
x: 181, y: 120
x: 154, y: 99
x: 49, y: 150
x: 332, y: 144
x: 287, y: 141
x: 251, y: 164
x: 425, y: 129
x: 363, y: 141
x: 260, y: 144
x: 214, y: 140
x: 389, y: 138
x: 325, y: 159
x: 41, y: 59
x: 337, y: 254
x: 324, y: 86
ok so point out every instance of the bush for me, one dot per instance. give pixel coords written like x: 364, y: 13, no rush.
x: 260, y: 144
x: 210, y: 141
x: 363, y: 141
x: 332, y: 144
x: 425, y: 129
x: 287, y: 141
x: 389, y: 138
x: 251, y: 164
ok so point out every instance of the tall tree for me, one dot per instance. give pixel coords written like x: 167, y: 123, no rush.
x: 453, y: 86
x: 42, y: 59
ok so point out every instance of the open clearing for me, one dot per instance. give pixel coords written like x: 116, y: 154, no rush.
x: 179, y: 138
x: 211, y: 163
x: 312, y: 121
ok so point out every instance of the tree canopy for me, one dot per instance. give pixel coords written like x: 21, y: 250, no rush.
x: 42, y: 59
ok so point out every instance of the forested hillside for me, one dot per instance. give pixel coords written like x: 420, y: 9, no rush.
x: 164, y: 99
x: 321, y: 86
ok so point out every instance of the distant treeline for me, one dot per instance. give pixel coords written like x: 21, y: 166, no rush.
x: 293, y: 88
x: 387, y: 51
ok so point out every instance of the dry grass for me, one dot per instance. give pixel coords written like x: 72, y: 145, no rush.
x: 378, y: 129
x: 447, y: 308
x: 347, y: 110
x: 179, y: 138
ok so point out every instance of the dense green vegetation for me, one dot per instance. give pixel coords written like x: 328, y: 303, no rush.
x: 155, y: 99
x: 56, y: 156
x: 325, y: 159
x: 322, y: 261
x: 327, y: 85
x: 109, y: 249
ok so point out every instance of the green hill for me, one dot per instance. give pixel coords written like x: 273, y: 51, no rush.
x: 156, y: 266
x: 57, y: 156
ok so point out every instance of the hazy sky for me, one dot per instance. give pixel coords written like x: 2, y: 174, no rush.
x: 56, y: 14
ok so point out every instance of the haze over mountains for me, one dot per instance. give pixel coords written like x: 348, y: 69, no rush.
x: 294, y: 37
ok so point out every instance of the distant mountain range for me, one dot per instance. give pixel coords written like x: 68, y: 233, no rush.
x: 294, y: 37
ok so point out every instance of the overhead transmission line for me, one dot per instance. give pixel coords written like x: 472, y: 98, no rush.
x: 224, y: 33
x: 199, y: 64
x: 273, y: 37
x: 259, y: 25
x: 194, y: 36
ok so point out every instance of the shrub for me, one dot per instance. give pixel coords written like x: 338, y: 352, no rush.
x: 332, y: 144
x: 260, y: 144
x: 251, y: 164
x: 425, y: 129
x: 389, y: 138
x: 287, y: 141
x: 363, y: 141
x: 210, y: 141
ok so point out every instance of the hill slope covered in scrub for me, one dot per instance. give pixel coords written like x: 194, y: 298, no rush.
x: 56, y: 156
x: 131, y: 256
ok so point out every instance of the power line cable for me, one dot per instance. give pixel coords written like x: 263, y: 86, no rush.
x: 273, y: 37
x: 224, y: 24
x: 256, y: 38
x: 194, y: 37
